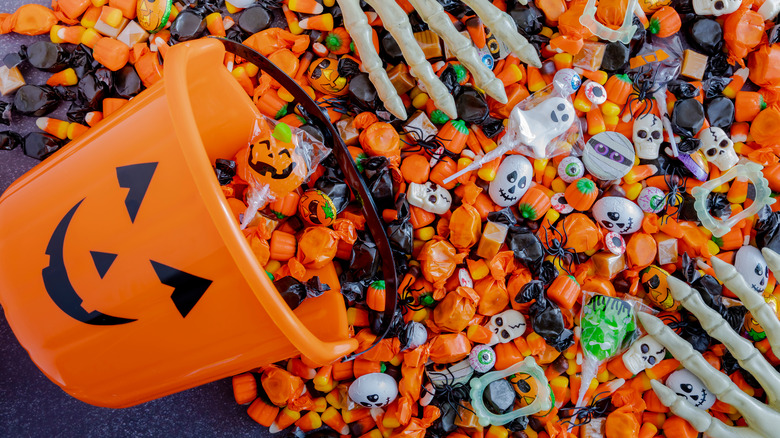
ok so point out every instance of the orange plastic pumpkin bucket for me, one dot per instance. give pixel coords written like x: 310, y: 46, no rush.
x: 125, y: 275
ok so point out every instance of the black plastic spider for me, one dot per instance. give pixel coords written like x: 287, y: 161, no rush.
x: 583, y: 415
x: 408, y: 300
x: 643, y: 84
x: 431, y: 146
x: 558, y: 249
x: 452, y: 393
x: 674, y: 199
x: 338, y: 104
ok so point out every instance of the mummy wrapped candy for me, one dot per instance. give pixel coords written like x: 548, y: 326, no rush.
x: 482, y: 358
x: 608, y: 155
x: 506, y: 326
x: 513, y: 178
x: 751, y: 264
x: 715, y: 7
x: 648, y: 136
x: 430, y: 196
x: 570, y: 169
x: 538, y: 126
x: 373, y: 390
x: 644, y: 353
x: 618, y: 214
x: 686, y: 384
x: 718, y: 148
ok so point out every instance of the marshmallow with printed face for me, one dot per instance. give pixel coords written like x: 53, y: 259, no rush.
x: 750, y: 263
x: 618, y: 214
x: 686, y: 384
x: 513, y: 178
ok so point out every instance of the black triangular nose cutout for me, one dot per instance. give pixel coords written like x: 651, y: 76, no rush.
x: 103, y: 261
x: 187, y: 288
x: 135, y: 177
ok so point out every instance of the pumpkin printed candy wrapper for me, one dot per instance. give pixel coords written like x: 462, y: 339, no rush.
x: 538, y: 192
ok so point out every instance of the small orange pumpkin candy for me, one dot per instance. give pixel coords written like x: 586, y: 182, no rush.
x: 581, y: 194
x: 534, y: 204
x: 618, y: 88
x: 665, y: 22
x: 375, y: 296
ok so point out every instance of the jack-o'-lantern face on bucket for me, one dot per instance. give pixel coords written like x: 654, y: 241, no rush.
x: 324, y: 77
x: 272, y: 158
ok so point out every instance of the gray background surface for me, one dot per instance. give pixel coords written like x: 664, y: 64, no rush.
x: 31, y: 405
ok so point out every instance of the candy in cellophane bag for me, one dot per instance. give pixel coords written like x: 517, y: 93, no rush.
x: 278, y: 159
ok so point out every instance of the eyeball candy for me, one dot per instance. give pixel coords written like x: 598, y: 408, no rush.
x: 566, y: 81
x: 615, y: 243
x: 570, y: 169
x: 373, y: 390
x: 608, y: 155
x: 513, y: 178
x: 690, y: 387
x: 651, y: 199
x: 482, y: 358
x: 618, y: 214
x: 595, y: 92
x: 559, y: 204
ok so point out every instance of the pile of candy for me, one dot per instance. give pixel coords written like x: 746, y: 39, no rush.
x: 537, y: 217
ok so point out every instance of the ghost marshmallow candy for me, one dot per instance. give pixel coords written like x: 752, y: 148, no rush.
x: 506, y: 326
x: 648, y: 136
x: 431, y: 197
x: 686, y: 384
x: 718, y: 148
x: 608, y: 155
x: 482, y: 358
x: 644, y: 353
x: 618, y: 214
x: 373, y: 390
x: 540, y: 125
x: 513, y: 178
x: 715, y: 7
x: 750, y: 263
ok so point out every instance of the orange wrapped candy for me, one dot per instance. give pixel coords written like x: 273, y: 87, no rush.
x: 281, y: 386
x: 622, y: 423
x: 581, y: 233
x: 382, y: 139
x: 417, y: 426
x: 317, y: 246
x: 742, y: 32
x: 450, y: 347
x: 28, y: 20
x: 765, y: 128
x: 493, y: 295
x: 438, y: 259
x: 270, y: 40
x: 465, y: 227
x: 454, y: 312
x: 641, y: 250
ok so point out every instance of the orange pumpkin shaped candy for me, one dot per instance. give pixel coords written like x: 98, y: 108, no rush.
x: 316, y: 208
x: 325, y: 75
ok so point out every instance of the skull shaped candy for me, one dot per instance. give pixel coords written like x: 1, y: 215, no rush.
x: 648, y: 135
x: 715, y: 7
x: 513, y: 178
x: 431, y: 197
x: 718, y: 148
x: 751, y: 265
x: 538, y: 126
x: 618, y: 214
x: 644, y: 353
x: 686, y: 384
x: 506, y: 326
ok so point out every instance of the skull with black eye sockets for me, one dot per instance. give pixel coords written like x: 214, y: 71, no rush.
x: 506, y: 326
x: 648, y: 136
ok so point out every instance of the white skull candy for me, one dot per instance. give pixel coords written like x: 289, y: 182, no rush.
x: 618, y: 214
x: 513, y: 178
x: 751, y: 264
x: 644, y: 353
x: 431, y: 197
x: 715, y: 7
x: 506, y: 326
x: 648, y: 135
x: 718, y: 148
x: 538, y: 126
x: 686, y: 384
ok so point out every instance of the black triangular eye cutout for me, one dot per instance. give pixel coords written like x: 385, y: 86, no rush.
x: 103, y: 261
x: 136, y: 178
x: 187, y: 288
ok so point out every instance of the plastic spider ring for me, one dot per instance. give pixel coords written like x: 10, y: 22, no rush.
x: 541, y: 403
x: 751, y: 171
x: 622, y: 34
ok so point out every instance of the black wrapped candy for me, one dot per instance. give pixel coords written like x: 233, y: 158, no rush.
x: 35, y: 100
x: 40, y: 145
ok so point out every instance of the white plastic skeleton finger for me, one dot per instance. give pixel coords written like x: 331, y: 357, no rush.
x: 748, y: 357
x: 505, y: 29
x: 356, y: 23
x: 717, y: 382
x: 397, y: 23
x: 432, y: 13
x: 699, y: 419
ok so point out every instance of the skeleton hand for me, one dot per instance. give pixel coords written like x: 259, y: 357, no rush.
x: 763, y: 419
x: 397, y: 23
